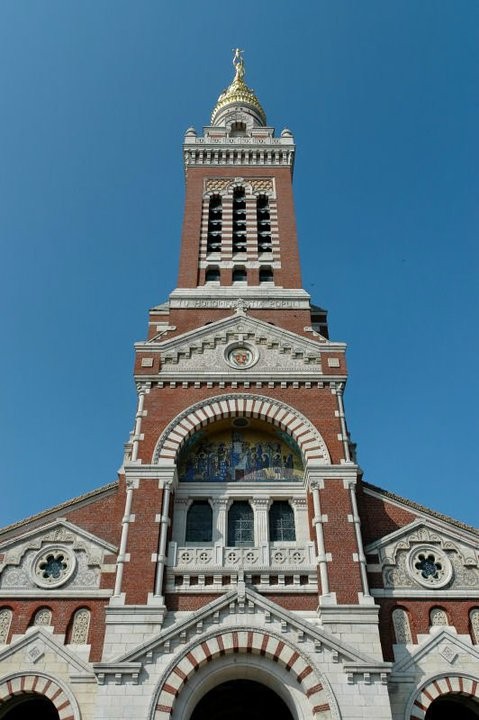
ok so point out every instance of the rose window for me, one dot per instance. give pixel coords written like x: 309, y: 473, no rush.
x: 430, y: 566
x: 53, y: 566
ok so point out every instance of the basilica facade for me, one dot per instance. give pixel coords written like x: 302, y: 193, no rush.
x: 240, y: 565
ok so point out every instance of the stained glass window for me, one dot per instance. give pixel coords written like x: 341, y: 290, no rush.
x: 240, y: 524
x: 199, y: 522
x: 281, y: 521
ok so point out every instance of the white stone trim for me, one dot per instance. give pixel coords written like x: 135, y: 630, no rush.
x: 225, y: 406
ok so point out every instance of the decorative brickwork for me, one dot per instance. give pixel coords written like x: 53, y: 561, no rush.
x: 40, y: 684
x: 244, y: 641
x: 290, y: 420
x: 444, y: 685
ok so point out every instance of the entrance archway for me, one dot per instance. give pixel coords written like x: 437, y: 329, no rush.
x: 239, y: 699
x: 29, y: 705
x: 453, y: 706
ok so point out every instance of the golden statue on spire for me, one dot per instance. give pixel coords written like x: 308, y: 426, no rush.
x: 238, y: 63
x: 238, y: 93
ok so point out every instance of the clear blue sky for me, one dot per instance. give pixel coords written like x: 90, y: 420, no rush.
x: 383, y: 100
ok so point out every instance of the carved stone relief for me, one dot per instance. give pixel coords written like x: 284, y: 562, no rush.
x: 80, y: 627
x: 402, y: 630
x: 5, y: 622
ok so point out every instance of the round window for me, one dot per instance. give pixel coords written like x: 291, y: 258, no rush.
x: 53, y: 566
x: 430, y: 566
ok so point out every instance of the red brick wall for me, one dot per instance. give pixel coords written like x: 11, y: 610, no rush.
x: 62, y: 615
x: 380, y: 517
x: 418, y: 611
x: 289, y: 275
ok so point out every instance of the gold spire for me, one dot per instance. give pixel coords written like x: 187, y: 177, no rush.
x: 238, y: 91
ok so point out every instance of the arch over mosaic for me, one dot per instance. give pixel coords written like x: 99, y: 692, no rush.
x: 44, y: 685
x: 445, y: 685
x: 243, y: 642
x: 292, y: 422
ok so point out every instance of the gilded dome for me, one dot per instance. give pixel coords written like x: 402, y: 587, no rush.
x: 239, y: 93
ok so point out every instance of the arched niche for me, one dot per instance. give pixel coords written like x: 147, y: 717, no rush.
x: 287, y: 419
x: 240, y: 450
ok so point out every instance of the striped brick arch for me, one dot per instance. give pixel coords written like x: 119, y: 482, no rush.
x: 447, y: 685
x: 39, y: 684
x: 284, y: 416
x: 243, y: 642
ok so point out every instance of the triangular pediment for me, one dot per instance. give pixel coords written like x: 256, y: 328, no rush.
x: 245, y: 603
x: 427, y: 555
x: 445, y: 643
x: 38, y: 643
x: 241, y: 344
x: 426, y: 531
x: 82, y: 551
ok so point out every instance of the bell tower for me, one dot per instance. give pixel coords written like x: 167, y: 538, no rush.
x: 238, y: 472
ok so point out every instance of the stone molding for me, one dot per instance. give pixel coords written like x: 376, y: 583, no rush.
x: 270, y: 645
x: 446, y: 684
x: 220, y: 407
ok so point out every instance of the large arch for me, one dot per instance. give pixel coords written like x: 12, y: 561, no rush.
x: 440, y: 686
x: 44, y: 685
x: 244, y: 642
x: 220, y: 407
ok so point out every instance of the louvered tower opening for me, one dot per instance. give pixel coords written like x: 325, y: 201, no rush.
x: 239, y: 221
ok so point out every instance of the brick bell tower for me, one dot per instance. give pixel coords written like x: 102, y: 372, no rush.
x: 238, y: 473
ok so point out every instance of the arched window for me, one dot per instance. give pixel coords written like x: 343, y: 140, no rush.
x: 43, y: 616
x: 263, y: 222
x: 199, y: 523
x: 212, y: 274
x: 5, y: 622
x: 438, y: 616
x: 239, y: 274
x: 402, y: 630
x: 281, y: 522
x: 266, y: 274
x: 80, y: 626
x: 240, y: 524
x: 239, y: 221
x: 215, y: 224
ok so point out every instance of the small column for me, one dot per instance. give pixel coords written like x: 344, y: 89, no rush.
x: 300, y: 508
x: 179, y: 527
x: 261, y: 507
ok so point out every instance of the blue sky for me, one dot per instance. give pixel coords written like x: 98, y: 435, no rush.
x: 383, y: 100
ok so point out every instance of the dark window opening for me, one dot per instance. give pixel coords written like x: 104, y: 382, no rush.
x: 239, y: 221
x: 240, y: 524
x: 263, y: 222
x: 238, y: 129
x: 212, y: 274
x: 215, y: 225
x: 281, y: 522
x: 199, y: 522
x: 266, y: 274
x: 239, y: 274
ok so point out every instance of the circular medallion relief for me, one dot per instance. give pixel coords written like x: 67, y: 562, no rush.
x: 53, y: 566
x: 241, y: 356
x: 429, y: 566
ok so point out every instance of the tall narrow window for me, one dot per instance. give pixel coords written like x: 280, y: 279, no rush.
x: 263, y: 221
x: 199, y: 522
x: 281, y: 522
x: 240, y: 524
x: 215, y: 225
x: 266, y: 274
x: 212, y: 274
x: 239, y: 221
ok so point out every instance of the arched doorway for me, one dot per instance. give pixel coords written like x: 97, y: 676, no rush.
x: 240, y: 699
x: 29, y: 705
x: 456, y: 707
